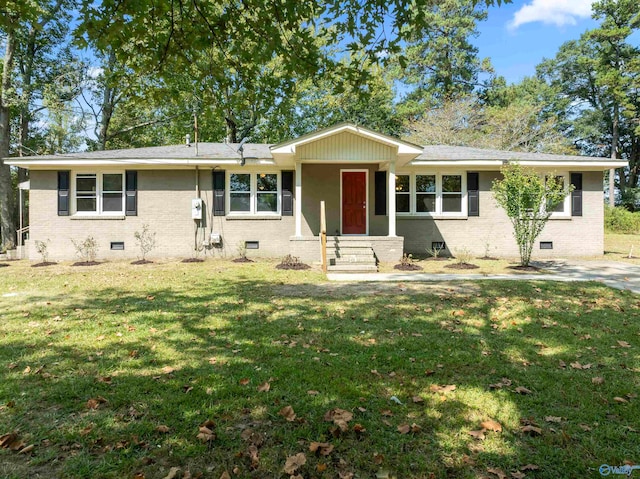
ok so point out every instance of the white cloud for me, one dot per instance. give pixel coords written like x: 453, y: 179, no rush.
x: 552, y: 12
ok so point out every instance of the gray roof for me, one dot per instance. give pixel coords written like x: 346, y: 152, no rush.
x: 229, y: 151
x: 221, y: 151
x: 465, y: 153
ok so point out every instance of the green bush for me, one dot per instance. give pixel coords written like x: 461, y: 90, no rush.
x: 621, y: 220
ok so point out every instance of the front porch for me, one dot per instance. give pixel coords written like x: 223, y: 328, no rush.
x: 308, y: 249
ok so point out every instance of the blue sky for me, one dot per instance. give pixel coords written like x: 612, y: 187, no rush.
x: 519, y: 35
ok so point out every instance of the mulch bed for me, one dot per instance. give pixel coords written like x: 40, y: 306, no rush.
x: 408, y: 267
x: 142, y: 261
x: 193, y: 260
x: 44, y: 263
x: 531, y: 269
x: 462, y: 266
x: 242, y: 260
x: 86, y: 263
x: 489, y: 258
x: 297, y: 266
x: 439, y: 258
x: 3, y: 265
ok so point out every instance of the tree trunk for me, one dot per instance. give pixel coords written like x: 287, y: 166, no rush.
x: 7, y: 204
x: 615, y: 135
x: 107, y: 103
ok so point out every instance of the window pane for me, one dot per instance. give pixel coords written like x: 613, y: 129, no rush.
x: 86, y: 204
x: 451, y: 183
x: 402, y: 183
x: 112, y: 202
x: 239, y: 182
x: 451, y: 203
x: 240, y: 202
x: 267, y: 202
x: 402, y: 203
x: 267, y: 182
x: 86, y: 183
x: 112, y: 182
x: 425, y: 184
x: 425, y: 203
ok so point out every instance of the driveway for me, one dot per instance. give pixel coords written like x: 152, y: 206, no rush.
x: 615, y: 274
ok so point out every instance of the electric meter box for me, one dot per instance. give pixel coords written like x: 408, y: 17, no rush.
x: 196, y: 208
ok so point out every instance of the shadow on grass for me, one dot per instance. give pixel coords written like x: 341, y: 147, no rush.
x: 178, y: 356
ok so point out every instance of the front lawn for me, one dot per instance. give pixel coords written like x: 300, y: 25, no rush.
x: 241, y: 370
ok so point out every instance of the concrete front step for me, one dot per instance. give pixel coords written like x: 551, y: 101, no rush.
x: 352, y: 268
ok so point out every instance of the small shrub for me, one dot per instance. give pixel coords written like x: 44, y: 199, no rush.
x: 406, y: 259
x: 42, y: 247
x: 292, y: 262
x: 242, y: 250
x: 463, y: 256
x: 435, y: 251
x: 146, y: 241
x: 86, y: 250
x: 621, y: 220
x: 407, y: 264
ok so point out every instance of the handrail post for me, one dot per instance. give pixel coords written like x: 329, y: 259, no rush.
x: 323, y: 236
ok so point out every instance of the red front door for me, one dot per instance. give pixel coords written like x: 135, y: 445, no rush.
x: 354, y: 203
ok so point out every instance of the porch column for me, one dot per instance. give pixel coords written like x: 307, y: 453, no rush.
x: 298, y: 199
x: 391, y: 195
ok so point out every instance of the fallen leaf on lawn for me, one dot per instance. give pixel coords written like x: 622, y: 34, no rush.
x: 168, y: 369
x: 553, y: 419
x: 479, y: 434
x: 322, y: 448
x: 94, y: 403
x: 359, y: 429
x: 253, y: 455
x: 518, y: 475
x: 225, y: 475
x: 87, y: 430
x: 213, y: 360
x: 529, y: 467
x: 264, y: 387
x: 531, y: 430
x: 100, y: 338
x: 205, y: 431
x: 287, y: 413
x: 522, y: 390
x: 321, y: 467
x: 435, y: 388
x: 104, y: 379
x: 244, y: 381
x: 186, y: 388
x: 491, y: 425
x: 624, y: 344
x: 417, y: 399
x: 139, y: 475
x: 404, y: 428
x: 585, y: 427
x: 162, y: 428
x: 459, y: 312
x: 11, y: 441
x: 313, y: 393
x: 338, y: 416
x: 173, y: 472
x: 619, y: 399
x: 498, y: 472
x: 386, y: 412
x: 27, y: 450
x: 293, y: 463
x: 597, y: 380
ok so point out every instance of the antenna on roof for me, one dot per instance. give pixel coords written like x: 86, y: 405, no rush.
x: 188, y: 139
x: 241, y: 150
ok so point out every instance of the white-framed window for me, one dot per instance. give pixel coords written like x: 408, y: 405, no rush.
x: 254, y: 193
x: 563, y: 209
x: 431, y: 194
x: 99, y: 193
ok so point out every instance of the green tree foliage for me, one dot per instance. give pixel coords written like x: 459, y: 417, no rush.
x: 439, y: 60
x: 528, y: 199
x: 600, y: 76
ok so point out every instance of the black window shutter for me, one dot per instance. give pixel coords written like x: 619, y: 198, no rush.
x: 63, y: 192
x: 287, y: 193
x: 131, y: 193
x: 576, y: 194
x: 381, y: 193
x: 218, y: 193
x: 473, y: 194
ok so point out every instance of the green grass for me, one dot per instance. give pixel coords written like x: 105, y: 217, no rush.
x: 178, y: 342
x: 618, y: 247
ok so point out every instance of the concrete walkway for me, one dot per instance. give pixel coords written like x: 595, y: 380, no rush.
x: 624, y: 276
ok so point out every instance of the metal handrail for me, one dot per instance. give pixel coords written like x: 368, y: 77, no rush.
x: 20, y: 232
